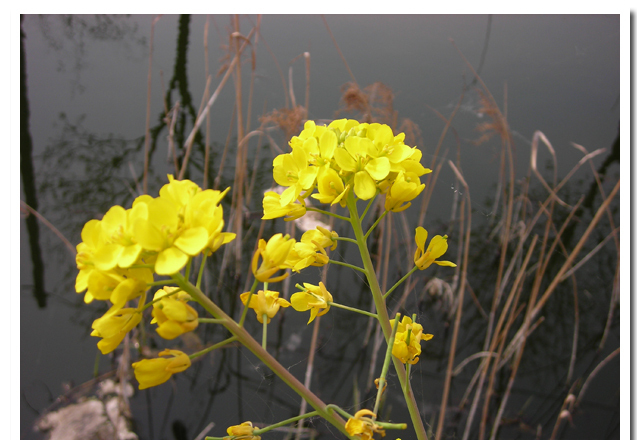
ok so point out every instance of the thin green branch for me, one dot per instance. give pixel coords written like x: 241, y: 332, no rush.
x: 351, y: 240
x: 328, y: 213
x: 245, y: 310
x: 369, y: 205
x: 201, y: 268
x: 413, y: 269
x: 383, y: 374
x: 375, y: 224
x: 210, y: 321
x: 264, y: 341
x: 351, y: 266
x: 352, y: 309
x: 213, y: 347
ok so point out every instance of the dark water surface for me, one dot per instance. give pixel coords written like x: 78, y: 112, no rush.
x: 86, y: 87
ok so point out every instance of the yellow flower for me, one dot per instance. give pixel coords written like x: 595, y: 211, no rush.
x: 293, y: 170
x: 310, y: 251
x: 405, y: 188
x: 164, y: 232
x: 173, y: 315
x: 272, y: 207
x: 92, y: 241
x: 264, y: 303
x: 153, y: 372
x: 407, y: 342
x: 121, y: 248
x: 316, y: 298
x: 437, y: 247
x: 117, y: 285
x: 113, y: 326
x: 274, y: 252
x: 203, y: 210
x: 243, y: 431
x: 330, y: 187
x: 354, y: 159
x: 363, y: 424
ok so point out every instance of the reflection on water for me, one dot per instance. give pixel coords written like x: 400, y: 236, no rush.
x: 79, y: 172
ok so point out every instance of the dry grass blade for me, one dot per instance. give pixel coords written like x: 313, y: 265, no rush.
x: 48, y: 224
x: 538, y: 135
x: 147, y: 130
x: 339, y: 49
x: 590, y: 377
x: 215, y: 94
x: 461, y: 289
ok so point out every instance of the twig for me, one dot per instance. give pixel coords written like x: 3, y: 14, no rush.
x: 53, y: 229
x: 147, y: 131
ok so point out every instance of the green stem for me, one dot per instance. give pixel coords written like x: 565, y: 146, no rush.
x: 351, y: 266
x: 351, y: 240
x: 286, y: 422
x: 340, y: 410
x: 383, y: 374
x: 383, y: 317
x: 399, y: 282
x: 264, y: 342
x: 276, y: 425
x: 248, y: 341
x: 160, y: 282
x: 210, y: 321
x: 245, y: 310
x: 375, y: 223
x: 188, y: 267
x: 352, y: 309
x: 369, y: 205
x: 328, y: 213
x: 201, y: 268
x: 213, y: 347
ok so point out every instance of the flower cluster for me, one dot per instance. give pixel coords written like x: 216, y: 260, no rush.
x: 341, y: 157
x: 120, y: 254
x: 407, y: 342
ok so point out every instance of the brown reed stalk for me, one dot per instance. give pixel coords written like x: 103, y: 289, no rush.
x: 147, y: 130
x: 49, y: 225
x: 590, y: 377
x: 500, y: 337
x: 191, y: 139
x: 206, y: 160
x: 222, y: 162
x: 239, y: 171
x: 456, y: 328
x: 431, y: 178
x: 338, y: 49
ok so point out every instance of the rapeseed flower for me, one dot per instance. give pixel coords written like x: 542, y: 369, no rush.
x: 274, y: 252
x: 264, y: 303
x: 407, y: 342
x: 121, y: 248
x: 363, y: 424
x: 172, y: 313
x: 405, y: 188
x: 153, y: 372
x: 165, y: 233
x: 272, y: 207
x: 243, y: 431
x: 314, y: 298
x: 437, y: 247
x: 310, y: 251
x: 355, y: 159
x: 114, y: 325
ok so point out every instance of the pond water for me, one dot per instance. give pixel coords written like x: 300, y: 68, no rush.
x: 86, y: 90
